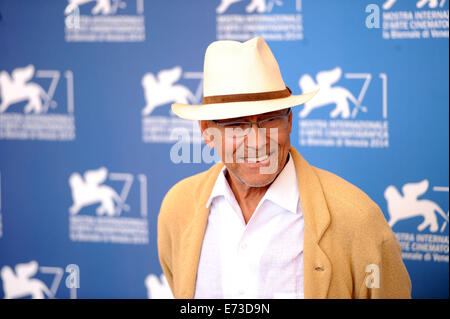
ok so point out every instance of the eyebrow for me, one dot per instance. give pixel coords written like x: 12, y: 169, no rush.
x: 235, y: 119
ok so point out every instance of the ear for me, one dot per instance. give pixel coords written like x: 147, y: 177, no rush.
x: 207, y: 137
x: 290, y: 122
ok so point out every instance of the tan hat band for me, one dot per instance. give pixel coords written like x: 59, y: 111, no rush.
x: 247, y: 97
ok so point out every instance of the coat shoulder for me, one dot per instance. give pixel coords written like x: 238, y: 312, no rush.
x: 352, y: 207
x: 185, y: 195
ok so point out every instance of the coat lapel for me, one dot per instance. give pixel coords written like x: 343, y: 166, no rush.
x: 192, y: 237
x: 316, y: 265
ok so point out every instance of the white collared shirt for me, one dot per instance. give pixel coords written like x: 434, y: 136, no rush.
x: 263, y: 259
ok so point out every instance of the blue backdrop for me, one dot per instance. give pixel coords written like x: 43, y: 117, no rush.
x: 86, y: 130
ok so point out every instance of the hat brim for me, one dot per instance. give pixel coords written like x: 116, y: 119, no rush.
x: 220, y: 111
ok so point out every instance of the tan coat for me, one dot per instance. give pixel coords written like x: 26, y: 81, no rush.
x: 345, y: 232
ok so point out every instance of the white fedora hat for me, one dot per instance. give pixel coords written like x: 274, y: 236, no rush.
x: 240, y: 79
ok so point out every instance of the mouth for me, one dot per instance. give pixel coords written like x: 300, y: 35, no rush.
x: 256, y: 159
x: 263, y: 160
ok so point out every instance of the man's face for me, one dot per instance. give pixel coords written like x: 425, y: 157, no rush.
x: 256, y: 158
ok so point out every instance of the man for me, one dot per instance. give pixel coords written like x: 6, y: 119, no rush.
x: 263, y: 223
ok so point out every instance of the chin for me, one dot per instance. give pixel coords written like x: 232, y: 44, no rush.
x: 259, y: 182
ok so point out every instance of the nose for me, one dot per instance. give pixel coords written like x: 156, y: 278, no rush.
x: 256, y: 138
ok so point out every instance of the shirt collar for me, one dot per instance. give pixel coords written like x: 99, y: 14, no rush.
x: 221, y: 187
x: 283, y: 191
